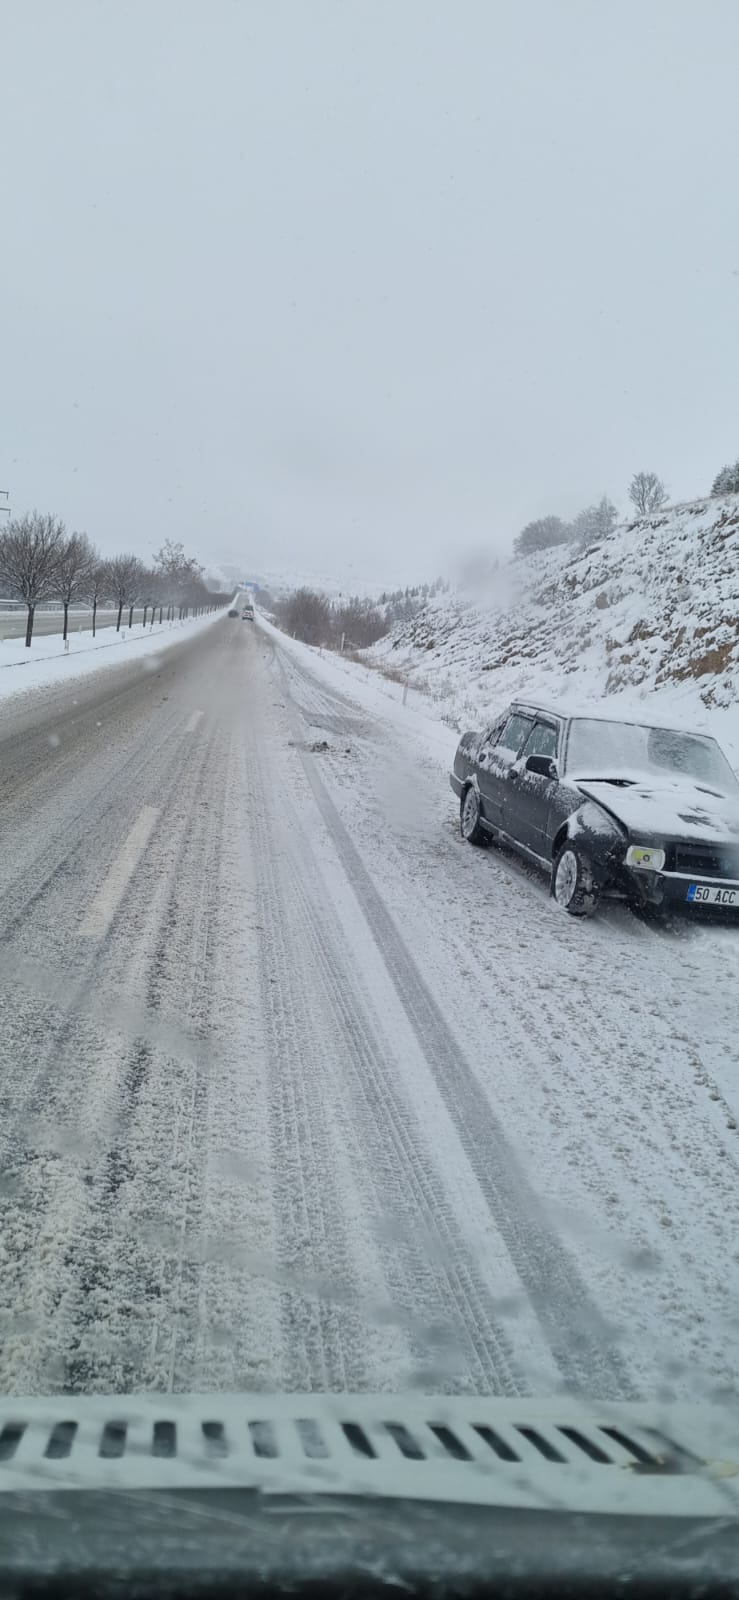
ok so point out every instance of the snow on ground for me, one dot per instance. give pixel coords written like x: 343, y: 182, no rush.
x: 48, y: 664
x: 607, y: 1048
x: 647, y: 623
x: 336, y: 1101
x: 228, y: 1156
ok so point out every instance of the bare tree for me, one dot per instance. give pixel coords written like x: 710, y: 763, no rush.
x: 125, y: 581
x: 647, y: 492
x: 361, y: 622
x: 98, y: 587
x: 30, y: 548
x: 181, y: 576
x: 307, y: 615
x: 171, y: 557
x: 71, y: 577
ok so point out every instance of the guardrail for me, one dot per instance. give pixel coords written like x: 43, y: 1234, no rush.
x: 52, y: 608
x: 125, y: 635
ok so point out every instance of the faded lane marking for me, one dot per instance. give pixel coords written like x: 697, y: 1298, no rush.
x: 193, y: 721
x: 112, y: 890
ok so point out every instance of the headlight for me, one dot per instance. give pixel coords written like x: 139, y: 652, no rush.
x: 646, y: 857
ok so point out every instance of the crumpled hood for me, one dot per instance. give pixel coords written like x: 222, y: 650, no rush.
x: 677, y: 807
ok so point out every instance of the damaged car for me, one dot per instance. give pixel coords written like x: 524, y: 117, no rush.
x: 638, y: 811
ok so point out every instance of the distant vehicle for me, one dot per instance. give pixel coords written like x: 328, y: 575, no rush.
x: 234, y: 611
x: 648, y: 814
x: 247, y: 614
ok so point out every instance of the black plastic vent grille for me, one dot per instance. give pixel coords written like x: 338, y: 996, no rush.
x: 314, y: 1439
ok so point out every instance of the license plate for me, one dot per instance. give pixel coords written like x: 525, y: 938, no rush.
x: 712, y: 895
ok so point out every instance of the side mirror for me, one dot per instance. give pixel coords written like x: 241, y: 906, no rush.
x: 543, y: 766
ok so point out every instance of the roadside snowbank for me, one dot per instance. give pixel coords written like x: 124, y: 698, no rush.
x: 408, y: 710
x: 438, y: 717
x: 47, y: 662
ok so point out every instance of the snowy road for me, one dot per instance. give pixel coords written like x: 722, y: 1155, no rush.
x: 298, y: 1092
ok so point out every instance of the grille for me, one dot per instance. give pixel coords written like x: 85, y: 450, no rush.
x: 472, y: 1451
x: 315, y: 1438
x: 707, y: 861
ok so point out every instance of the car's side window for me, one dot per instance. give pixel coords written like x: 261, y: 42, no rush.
x: 514, y: 733
x: 542, y: 741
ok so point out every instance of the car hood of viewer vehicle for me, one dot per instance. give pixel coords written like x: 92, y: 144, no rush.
x: 673, y: 807
x: 365, y: 1494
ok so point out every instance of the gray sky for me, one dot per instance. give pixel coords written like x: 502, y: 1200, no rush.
x: 354, y: 285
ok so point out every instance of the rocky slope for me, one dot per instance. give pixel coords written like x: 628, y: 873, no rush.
x: 651, y: 613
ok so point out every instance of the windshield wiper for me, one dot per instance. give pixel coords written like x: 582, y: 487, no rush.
x: 618, y: 783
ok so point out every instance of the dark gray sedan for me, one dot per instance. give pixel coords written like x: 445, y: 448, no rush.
x: 647, y: 813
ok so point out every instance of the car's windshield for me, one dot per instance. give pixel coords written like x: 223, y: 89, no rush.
x: 599, y: 748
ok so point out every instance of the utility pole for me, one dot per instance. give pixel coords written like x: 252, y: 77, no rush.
x: 6, y: 493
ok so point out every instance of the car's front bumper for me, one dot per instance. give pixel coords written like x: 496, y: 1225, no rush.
x: 456, y: 784
x: 670, y: 890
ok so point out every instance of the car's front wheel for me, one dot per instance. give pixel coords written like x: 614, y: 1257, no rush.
x: 470, y: 825
x: 573, y: 886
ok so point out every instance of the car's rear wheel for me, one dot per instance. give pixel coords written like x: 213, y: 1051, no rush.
x: 470, y: 825
x: 572, y: 881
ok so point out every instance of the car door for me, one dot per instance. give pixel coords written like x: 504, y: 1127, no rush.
x: 494, y: 761
x: 529, y: 795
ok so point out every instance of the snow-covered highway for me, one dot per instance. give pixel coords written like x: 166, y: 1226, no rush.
x: 297, y: 1091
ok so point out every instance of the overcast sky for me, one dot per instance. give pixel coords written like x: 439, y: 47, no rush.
x: 353, y: 285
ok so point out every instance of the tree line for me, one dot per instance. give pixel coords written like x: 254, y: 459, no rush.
x: 352, y: 624
x: 41, y: 561
x: 647, y: 493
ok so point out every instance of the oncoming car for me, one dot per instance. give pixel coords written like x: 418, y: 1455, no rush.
x: 645, y: 813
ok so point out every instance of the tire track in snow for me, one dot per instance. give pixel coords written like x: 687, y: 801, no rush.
x: 30, y: 874
x: 431, y: 1285
x: 133, y: 1252
x: 407, y: 1182
x: 69, y: 1136
x: 25, y: 1094
x: 323, y: 1339
x: 318, y: 700
x: 578, y: 1337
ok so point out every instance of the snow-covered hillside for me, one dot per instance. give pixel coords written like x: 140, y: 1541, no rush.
x: 650, y: 615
